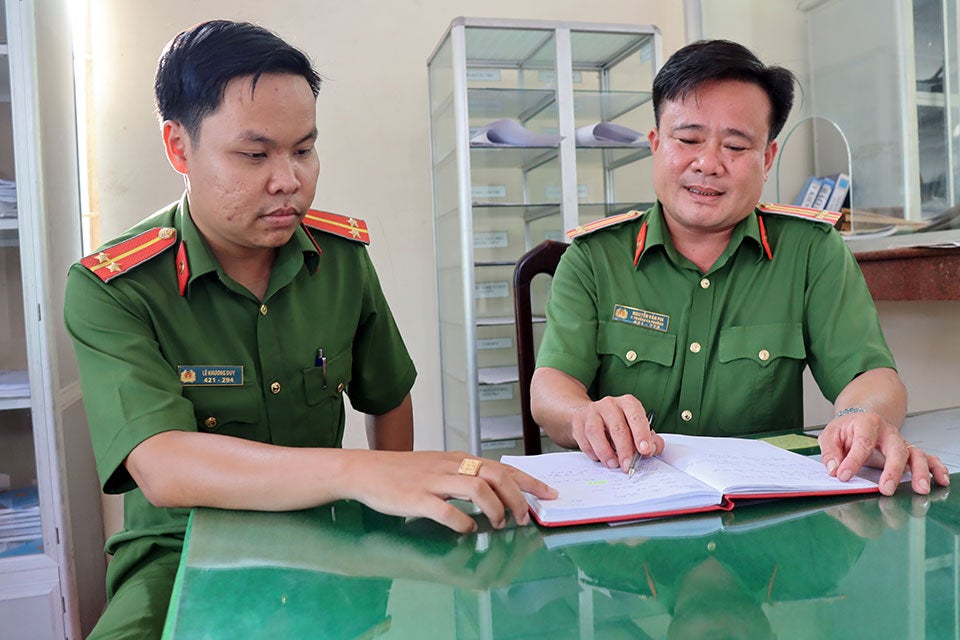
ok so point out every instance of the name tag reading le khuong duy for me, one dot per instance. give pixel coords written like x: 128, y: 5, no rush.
x: 211, y: 375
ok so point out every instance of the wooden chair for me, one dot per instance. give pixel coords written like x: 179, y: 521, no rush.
x: 543, y: 258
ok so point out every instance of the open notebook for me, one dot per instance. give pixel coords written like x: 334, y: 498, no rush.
x: 693, y: 474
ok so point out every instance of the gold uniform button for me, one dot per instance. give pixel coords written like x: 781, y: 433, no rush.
x: 631, y: 355
x: 263, y: 309
x: 210, y: 423
x: 275, y: 387
x: 711, y: 546
x: 686, y: 416
x: 695, y: 347
x: 705, y: 283
x: 340, y: 388
x: 764, y: 355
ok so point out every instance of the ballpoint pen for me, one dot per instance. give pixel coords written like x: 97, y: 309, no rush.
x: 636, y: 454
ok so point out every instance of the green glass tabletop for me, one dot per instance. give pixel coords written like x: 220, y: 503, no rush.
x: 875, y: 567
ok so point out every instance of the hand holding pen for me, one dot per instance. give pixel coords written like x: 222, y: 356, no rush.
x: 610, y: 430
x: 636, y: 454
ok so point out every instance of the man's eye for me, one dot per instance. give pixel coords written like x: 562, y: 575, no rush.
x: 687, y: 141
x: 258, y: 155
x: 735, y: 148
x: 305, y: 152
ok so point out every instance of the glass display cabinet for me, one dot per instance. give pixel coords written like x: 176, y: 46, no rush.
x: 536, y: 127
x: 892, y: 88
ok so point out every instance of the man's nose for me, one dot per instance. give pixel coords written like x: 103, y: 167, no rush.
x: 283, y: 177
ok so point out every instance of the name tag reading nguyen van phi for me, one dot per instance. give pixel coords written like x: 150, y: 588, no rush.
x: 198, y: 375
x: 641, y: 318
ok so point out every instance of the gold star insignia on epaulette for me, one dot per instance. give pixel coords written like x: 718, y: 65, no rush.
x: 794, y: 211
x: 132, y: 252
x: 343, y: 226
x: 602, y: 223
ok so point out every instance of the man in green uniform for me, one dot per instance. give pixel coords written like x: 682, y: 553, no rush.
x: 216, y: 339
x: 707, y: 308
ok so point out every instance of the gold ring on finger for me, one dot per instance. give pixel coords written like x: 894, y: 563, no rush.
x: 469, y: 467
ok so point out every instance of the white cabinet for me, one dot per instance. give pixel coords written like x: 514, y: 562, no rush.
x: 886, y: 72
x: 537, y: 83
x: 51, y: 534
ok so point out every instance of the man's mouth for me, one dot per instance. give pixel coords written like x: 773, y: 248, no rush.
x: 704, y: 191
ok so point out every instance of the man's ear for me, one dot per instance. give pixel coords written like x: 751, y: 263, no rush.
x: 654, y: 138
x: 768, y: 155
x: 176, y: 142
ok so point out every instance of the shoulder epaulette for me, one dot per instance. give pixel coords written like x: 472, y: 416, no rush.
x: 343, y: 226
x: 602, y: 223
x: 120, y: 258
x: 816, y: 215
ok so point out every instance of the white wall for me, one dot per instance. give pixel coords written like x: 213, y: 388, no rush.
x: 372, y: 117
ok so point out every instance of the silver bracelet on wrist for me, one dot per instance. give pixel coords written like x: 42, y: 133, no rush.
x: 848, y: 411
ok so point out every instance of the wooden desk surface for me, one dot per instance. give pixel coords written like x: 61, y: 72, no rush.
x: 877, y: 567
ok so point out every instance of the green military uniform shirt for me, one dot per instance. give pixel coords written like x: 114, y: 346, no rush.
x: 144, y: 352
x: 716, y: 353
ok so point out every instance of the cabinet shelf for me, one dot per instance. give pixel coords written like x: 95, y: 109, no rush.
x: 8, y: 403
x: 14, y: 390
x: 519, y: 104
x: 495, y: 428
x: 604, y: 106
x: 500, y: 321
x: 527, y: 212
x: 498, y: 375
x: 611, y: 157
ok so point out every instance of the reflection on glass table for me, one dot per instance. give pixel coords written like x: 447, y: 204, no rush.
x: 808, y: 568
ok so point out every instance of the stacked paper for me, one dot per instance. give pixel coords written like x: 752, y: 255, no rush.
x: 607, y: 134
x: 14, y: 384
x: 510, y: 133
x: 20, y: 531
x: 8, y: 199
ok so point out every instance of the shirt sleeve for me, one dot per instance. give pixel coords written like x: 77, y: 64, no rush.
x: 129, y: 391
x: 570, y: 339
x: 843, y: 333
x: 383, y: 372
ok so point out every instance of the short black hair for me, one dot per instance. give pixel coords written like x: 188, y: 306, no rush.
x: 198, y: 63
x: 710, y: 60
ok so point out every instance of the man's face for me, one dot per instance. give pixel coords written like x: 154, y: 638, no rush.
x: 711, y: 156
x: 252, y: 171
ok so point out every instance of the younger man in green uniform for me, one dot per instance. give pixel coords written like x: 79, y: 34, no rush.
x: 707, y: 308
x: 216, y: 338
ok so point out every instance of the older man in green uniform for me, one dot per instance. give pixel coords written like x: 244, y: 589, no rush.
x: 216, y: 339
x: 707, y: 308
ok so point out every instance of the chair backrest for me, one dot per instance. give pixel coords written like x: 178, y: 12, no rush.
x: 543, y: 258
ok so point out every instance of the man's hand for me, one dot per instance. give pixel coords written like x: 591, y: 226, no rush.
x: 609, y: 430
x: 861, y: 438
x: 612, y: 429
x: 420, y: 483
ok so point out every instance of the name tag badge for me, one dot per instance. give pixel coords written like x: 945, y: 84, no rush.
x: 196, y: 375
x: 641, y: 318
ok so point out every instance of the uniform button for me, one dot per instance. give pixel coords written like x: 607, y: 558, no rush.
x: 711, y: 546
x: 695, y: 347
x: 705, y: 283
x: 631, y: 355
x: 340, y: 388
x: 263, y: 309
x: 686, y: 416
x: 274, y: 387
x: 764, y: 355
x: 210, y: 423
